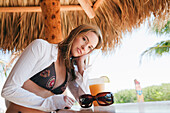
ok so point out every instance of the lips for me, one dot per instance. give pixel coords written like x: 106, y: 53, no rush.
x: 79, y: 51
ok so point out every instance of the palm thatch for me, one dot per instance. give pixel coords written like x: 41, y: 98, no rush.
x: 114, y: 17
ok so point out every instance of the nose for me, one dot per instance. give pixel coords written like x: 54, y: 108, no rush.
x: 85, y: 48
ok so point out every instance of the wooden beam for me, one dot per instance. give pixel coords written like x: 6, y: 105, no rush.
x: 97, y: 4
x: 87, y: 8
x: 71, y: 8
x: 20, y: 9
x: 38, y: 8
x: 90, y: 3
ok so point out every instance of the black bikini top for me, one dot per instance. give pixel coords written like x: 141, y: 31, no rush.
x: 46, y: 79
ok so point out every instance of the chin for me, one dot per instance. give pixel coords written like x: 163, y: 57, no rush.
x: 76, y: 55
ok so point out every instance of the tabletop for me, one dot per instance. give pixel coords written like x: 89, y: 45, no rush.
x: 96, y: 109
x: 144, y: 107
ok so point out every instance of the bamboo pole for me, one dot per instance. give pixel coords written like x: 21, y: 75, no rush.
x: 87, y: 8
x: 38, y: 8
x: 52, y: 20
x: 97, y: 4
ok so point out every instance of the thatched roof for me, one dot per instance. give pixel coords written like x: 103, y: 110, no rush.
x: 114, y: 17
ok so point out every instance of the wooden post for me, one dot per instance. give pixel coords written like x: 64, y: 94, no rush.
x: 52, y: 21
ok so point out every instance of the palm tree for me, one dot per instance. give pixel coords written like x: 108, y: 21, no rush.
x: 163, y: 46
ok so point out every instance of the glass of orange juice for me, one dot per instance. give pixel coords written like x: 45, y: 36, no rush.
x: 95, y: 89
x: 97, y: 85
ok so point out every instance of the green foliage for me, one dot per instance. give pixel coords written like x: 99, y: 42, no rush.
x: 151, y: 93
x: 164, y: 30
x: 157, y: 93
x: 161, y: 47
x: 2, y: 68
x: 158, y: 49
x: 125, y: 96
x: 5, y: 73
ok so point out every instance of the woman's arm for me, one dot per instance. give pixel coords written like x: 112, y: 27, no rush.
x: 80, y: 85
x: 21, y: 72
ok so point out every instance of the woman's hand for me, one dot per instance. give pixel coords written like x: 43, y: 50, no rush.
x: 69, y: 102
x: 81, y: 63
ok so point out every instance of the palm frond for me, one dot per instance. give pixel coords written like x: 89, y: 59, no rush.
x: 7, y: 65
x: 13, y: 57
x: 3, y: 64
x: 161, y: 28
x: 158, y: 49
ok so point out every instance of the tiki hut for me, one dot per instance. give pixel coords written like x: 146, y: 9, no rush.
x: 22, y: 21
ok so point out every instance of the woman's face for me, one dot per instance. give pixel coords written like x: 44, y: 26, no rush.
x: 84, y: 43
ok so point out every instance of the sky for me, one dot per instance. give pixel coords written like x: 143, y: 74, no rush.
x: 123, y: 65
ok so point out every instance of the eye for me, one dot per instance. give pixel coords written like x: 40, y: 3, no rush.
x: 90, y: 47
x: 84, y: 38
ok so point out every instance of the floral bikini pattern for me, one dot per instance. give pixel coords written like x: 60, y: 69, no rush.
x: 47, y: 78
x: 45, y: 73
x: 51, y: 82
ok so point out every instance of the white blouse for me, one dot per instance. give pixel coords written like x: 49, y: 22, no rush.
x: 37, y: 56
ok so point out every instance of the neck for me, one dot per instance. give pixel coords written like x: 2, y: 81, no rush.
x: 59, y: 57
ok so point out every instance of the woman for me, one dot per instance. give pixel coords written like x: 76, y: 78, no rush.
x: 44, y: 70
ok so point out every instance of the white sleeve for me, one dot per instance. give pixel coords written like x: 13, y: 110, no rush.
x: 13, y: 90
x: 80, y: 85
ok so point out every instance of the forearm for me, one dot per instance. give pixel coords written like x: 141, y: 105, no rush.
x: 80, y: 85
x: 25, y: 98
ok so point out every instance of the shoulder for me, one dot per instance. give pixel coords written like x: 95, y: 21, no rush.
x: 37, y: 46
x: 44, y: 47
x: 40, y: 41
